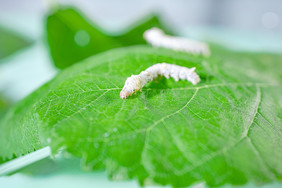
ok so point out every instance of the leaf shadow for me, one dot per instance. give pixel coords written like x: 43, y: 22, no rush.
x: 206, y: 78
x: 157, y: 86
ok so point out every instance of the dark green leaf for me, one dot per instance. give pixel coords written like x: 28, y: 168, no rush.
x: 226, y: 129
x: 72, y: 37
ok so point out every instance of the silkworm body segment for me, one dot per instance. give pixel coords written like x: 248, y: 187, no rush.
x: 158, y: 38
x: 137, y: 82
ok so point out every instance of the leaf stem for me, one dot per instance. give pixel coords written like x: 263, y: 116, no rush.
x: 18, y: 163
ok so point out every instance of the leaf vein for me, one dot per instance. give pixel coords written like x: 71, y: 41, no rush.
x: 256, y: 107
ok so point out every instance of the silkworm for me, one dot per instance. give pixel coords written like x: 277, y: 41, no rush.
x: 135, y: 83
x: 158, y: 38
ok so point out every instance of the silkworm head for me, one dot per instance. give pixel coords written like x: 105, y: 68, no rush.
x: 123, y: 94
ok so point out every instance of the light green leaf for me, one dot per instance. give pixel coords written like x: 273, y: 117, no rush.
x: 10, y: 42
x: 72, y: 37
x: 226, y: 129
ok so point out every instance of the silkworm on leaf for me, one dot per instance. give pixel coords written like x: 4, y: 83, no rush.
x: 158, y: 38
x: 135, y: 83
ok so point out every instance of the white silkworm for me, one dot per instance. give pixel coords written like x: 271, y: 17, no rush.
x: 135, y: 83
x: 158, y: 38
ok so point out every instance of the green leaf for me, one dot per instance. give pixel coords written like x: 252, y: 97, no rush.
x: 72, y: 37
x: 4, y: 104
x: 226, y: 129
x: 11, y: 42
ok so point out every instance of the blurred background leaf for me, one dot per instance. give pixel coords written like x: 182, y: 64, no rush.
x: 72, y: 37
x: 11, y: 42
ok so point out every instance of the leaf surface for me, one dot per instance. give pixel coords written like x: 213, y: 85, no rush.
x: 226, y: 129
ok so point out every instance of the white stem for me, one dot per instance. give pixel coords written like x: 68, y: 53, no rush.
x: 18, y: 163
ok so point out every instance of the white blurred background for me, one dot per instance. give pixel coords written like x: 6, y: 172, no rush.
x: 252, y: 15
